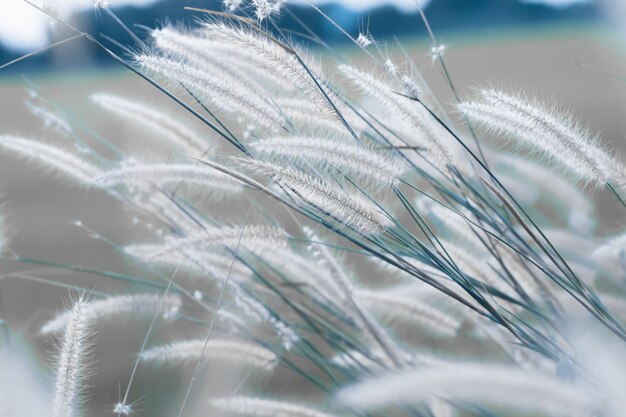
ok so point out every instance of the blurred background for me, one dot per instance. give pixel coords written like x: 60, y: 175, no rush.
x: 573, y: 51
x: 23, y: 29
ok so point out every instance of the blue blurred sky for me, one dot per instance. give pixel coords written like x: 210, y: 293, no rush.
x: 22, y: 28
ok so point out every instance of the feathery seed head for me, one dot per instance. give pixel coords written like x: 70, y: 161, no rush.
x: 477, y: 384
x: 51, y: 119
x: 241, y: 66
x: 184, y: 139
x: 379, y: 167
x: 280, y: 59
x: 239, y: 352
x: 349, y: 207
x: 555, y: 137
x: 226, y: 94
x: 261, y: 407
x: 72, y: 366
x: 200, y: 177
x: 55, y: 158
x: 309, y: 118
x: 255, y: 238
x: 422, y: 126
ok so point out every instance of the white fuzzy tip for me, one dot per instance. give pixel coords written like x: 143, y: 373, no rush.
x: 390, y: 67
x: 437, y: 51
x: 263, y: 9
x: 364, y: 40
x: 122, y: 409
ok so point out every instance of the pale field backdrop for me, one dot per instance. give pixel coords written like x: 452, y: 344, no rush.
x: 42, y: 207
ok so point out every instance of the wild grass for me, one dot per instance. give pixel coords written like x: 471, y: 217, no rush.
x: 392, y: 258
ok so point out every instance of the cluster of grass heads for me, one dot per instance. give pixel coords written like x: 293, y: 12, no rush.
x: 390, y: 258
